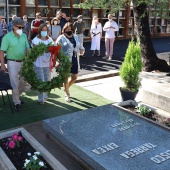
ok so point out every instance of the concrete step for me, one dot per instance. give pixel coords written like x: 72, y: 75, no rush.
x: 156, y: 90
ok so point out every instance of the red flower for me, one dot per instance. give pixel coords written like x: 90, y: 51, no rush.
x: 15, y: 136
x: 20, y: 138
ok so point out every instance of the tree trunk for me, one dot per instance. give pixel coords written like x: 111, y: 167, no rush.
x: 150, y: 60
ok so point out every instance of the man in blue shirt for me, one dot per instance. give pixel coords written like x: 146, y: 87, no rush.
x: 9, y: 28
x: 2, y: 25
x: 63, y: 18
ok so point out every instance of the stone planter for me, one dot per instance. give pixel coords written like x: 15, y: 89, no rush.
x: 163, y: 115
x: 6, y: 164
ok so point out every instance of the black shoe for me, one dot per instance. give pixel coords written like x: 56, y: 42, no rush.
x: 82, y: 56
x: 168, y: 74
x: 17, y: 107
x: 93, y: 55
x: 22, y: 102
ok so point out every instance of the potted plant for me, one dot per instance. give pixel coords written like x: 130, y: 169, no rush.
x: 129, y: 72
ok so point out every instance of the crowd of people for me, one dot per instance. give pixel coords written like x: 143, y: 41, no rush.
x: 23, y: 35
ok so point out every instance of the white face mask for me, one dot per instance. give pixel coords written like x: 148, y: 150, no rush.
x: 55, y: 22
x: 110, y: 19
x: 25, y: 20
x: 95, y: 20
x: 19, y: 32
x: 80, y: 19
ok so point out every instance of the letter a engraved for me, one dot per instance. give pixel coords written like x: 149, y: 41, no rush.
x: 96, y: 151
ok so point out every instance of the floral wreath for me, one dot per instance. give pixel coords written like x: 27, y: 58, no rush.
x: 62, y: 70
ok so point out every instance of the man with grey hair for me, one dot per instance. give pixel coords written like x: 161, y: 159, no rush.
x: 15, y: 44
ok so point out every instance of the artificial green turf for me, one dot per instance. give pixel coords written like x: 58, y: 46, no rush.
x: 56, y: 105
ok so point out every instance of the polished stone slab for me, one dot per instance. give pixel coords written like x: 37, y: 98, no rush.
x: 110, y: 138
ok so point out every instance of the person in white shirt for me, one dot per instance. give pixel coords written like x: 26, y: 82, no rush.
x: 96, y: 35
x: 110, y: 28
x: 42, y: 64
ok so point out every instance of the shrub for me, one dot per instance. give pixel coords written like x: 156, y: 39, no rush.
x: 131, y: 67
x: 143, y: 110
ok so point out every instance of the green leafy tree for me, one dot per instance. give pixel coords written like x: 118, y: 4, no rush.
x: 150, y: 60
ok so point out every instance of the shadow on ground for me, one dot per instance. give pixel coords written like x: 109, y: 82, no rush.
x: 56, y: 105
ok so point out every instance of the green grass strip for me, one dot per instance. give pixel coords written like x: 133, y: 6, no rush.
x: 56, y: 105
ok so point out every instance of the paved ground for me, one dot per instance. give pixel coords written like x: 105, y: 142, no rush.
x: 96, y: 64
x: 109, y: 87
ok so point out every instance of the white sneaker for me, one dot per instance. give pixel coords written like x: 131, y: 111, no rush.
x: 110, y: 58
x: 67, y: 99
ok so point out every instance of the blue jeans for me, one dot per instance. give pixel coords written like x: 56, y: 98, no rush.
x: 43, y: 74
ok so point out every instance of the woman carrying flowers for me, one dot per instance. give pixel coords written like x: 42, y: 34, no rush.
x: 42, y: 64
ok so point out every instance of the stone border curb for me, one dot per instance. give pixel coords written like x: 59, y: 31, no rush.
x: 96, y: 76
x: 6, y: 164
x: 154, y: 110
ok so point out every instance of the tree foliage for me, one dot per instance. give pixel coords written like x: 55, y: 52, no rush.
x: 113, y: 5
x: 161, y: 6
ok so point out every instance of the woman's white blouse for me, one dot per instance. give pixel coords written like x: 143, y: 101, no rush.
x: 43, y: 60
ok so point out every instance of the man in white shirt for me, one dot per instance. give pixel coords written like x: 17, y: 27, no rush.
x: 110, y: 28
